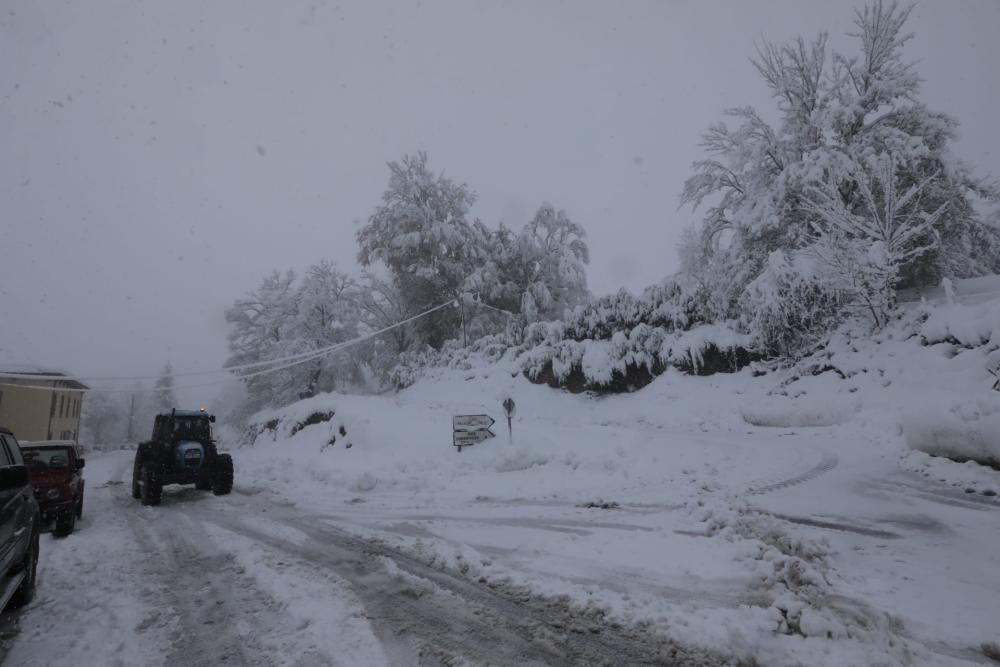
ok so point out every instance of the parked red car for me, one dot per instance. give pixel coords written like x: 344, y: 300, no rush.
x: 56, y: 475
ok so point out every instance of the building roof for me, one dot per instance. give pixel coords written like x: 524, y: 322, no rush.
x: 19, y: 369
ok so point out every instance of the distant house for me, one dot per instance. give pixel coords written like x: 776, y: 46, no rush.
x: 37, y: 406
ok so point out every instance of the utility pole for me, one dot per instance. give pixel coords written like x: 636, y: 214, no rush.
x: 465, y: 331
x: 131, y: 414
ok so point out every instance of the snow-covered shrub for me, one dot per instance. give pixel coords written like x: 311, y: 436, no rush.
x: 628, y: 361
x: 622, y: 342
x: 789, y: 308
x: 667, y: 306
x: 707, y: 349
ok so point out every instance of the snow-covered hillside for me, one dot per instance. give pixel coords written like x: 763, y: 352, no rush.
x: 784, y: 516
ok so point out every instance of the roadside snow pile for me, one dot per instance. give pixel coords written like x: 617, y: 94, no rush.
x: 335, y: 444
x: 800, y: 588
x: 963, y: 432
x: 286, y: 423
x: 970, y: 326
x: 798, y: 414
x: 969, y: 476
x: 791, y: 568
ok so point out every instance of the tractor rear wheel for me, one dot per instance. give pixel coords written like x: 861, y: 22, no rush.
x: 222, y: 475
x: 152, y: 486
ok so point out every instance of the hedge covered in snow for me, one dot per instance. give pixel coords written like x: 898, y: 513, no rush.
x: 621, y: 343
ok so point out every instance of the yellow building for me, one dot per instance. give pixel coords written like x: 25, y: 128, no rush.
x: 36, y: 406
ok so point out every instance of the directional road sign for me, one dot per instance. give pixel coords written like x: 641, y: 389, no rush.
x: 471, y: 422
x: 466, y: 438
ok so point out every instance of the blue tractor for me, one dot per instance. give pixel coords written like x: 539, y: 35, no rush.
x: 181, y: 451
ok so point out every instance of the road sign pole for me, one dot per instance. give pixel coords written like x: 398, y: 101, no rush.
x: 508, y: 407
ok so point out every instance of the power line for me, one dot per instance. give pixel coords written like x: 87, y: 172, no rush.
x: 292, y: 360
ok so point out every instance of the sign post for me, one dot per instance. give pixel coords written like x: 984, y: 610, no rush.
x: 468, y: 430
x: 508, y: 407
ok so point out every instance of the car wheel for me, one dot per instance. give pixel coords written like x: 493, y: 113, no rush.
x: 29, y: 566
x: 65, y: 524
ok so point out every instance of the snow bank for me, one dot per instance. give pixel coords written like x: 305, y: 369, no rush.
x: 965, y: 325
x: 797, y: 415
x: 794, y: 574
x: 286, y: 423
x: 967, y: 431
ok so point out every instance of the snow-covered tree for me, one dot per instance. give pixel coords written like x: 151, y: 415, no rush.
x: 501, y: 279
x: 325, y: 312
x: 553, y: 256
x: 791, y: 306
x: 864, y: 247
x: 381, y: 306
x: 422, y: 234
x: 258, y: 323
x: 839, y: 113
x: 540, y: 272
x: 104, y: 418
x: 163, y: 390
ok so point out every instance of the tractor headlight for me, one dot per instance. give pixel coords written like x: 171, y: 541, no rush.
x: 52, y: 494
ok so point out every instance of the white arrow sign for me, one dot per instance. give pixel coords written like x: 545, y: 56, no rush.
x: 466, y: 438
x: 471, y: 422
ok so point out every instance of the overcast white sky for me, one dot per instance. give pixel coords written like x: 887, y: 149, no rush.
x: 158, y: 158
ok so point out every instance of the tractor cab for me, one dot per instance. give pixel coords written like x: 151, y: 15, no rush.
x: 183, y: 425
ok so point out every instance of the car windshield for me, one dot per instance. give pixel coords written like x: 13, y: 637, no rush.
x: 48, y: 457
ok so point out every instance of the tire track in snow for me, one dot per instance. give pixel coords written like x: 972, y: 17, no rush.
x: 213, y: 611
x: 826, y: 464
x: 430, y: 616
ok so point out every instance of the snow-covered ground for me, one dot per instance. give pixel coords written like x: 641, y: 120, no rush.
x: 783, y: 518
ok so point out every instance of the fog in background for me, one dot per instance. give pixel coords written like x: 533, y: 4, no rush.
x: 157, y: 159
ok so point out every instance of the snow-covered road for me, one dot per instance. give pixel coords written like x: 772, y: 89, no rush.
x: 245, y: 580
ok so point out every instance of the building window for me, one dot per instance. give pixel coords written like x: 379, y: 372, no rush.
x: 62, y: 405
x: 52, y: 410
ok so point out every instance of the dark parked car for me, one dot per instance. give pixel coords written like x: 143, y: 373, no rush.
x: 19, y: 525
x: 56, y: 469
